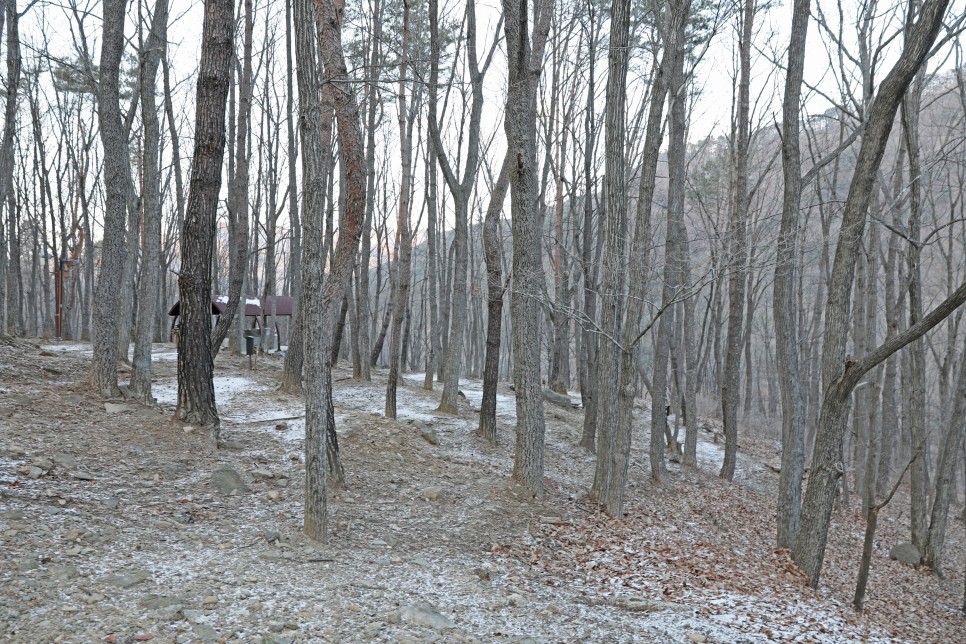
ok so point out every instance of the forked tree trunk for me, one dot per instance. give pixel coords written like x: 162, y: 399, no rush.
x: 196, y: 392
x: 840, y: 375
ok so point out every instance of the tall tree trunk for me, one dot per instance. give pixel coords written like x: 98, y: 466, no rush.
x: 405, y: 231
x: 784, y: 303
x: 103, y: 374
x: 196, y: 392
x: 525, y: 300
x: 9, y: 291
x: 151, y: 197
x: 239, y: 219
x: 737, y: 248
x: 840, y: 375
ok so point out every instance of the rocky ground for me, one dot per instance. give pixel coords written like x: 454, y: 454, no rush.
x: 118, y: 525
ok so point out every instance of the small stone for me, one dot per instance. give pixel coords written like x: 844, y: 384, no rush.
x: 193, y: 615
x: 227, y: 480
x: 232, y: 445
x: 15, y: 451
x: 422, y: 563
x: 187, y: 429
x: 516, y: 600
x: 31, y: 471
x: 276, y: 628
x: 274, y: 495
x: 697, y: 638
x: 433, y: 492
x: 424, y: 614
x: 204, y: 632
x: 83, y: 476
x: 62, y: 572
x: 209, y: 601
x: 429, y: 435
x: 281, y: 426
x: 262, y: 474
x: 115, y: 408
x: 65, y: 460
x: 153, y: 601
x: 272, y: 535
x: 126, y: 579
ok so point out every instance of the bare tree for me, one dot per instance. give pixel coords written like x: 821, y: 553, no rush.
x: 196, y: 391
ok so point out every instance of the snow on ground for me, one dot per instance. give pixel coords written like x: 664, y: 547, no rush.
x: 480, y: 562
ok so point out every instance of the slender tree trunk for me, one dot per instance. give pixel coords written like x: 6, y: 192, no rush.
x: 737, y: 250
x: 405, y: 231
x: 10, y: 295
x: 239, y: 260
x: 784, y: 303
x: 151, y: 196
x: 492, y: 245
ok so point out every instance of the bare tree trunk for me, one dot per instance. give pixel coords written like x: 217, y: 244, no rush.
x: 10, y: 295
x: 916, y: 404
x: 840, y: 375
x: 403, y: 259
x: 785, y: 310
x: 239, y: 261
x: 151, y: 196
x: 949, y: 454
x: 196, y: 392
x: 103, y: 374
x: 526, y: 298
x: 737, y: 250
x: 494, y: 303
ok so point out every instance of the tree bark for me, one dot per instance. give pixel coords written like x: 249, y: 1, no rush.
x: 840, y: 374
x: 784, y: 302
x: 526, y: 298
x: 103, y: 374
x: 737, y: 249
x: 239, y: 219
x: 151, y: 198
x: 403, y: 259
x: 196, y: 392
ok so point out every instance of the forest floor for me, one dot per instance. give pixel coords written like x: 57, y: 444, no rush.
x: 119, y: 525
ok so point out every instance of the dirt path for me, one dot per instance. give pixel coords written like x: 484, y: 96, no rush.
x: 119, y: 525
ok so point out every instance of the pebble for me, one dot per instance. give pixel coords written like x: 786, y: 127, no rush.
x: 433, y: 492
x: 516, y: 600
x: 209, y: 601
x: 697, y: 638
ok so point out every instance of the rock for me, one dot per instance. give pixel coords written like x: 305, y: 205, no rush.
x: 204, y: 632
x: 272, y: 535
x: 422, y: 563
x: 433, y: 492
x: 209, y: 601
x: 116, y: 408
x: 274, y: 495
x: 516, y: 600
x: 83, y: 476
x: 15, y: 451
x: 429, y: 435
x: 43, y: 463
x: 31, y: 471
x: 906, y: 553
x: 62, y: 572
x: 65, y: 460
x: 233, y: 445
x: 126, y: 579
x: 697, y: 638
x: 227, y: 480
x: 482, y: 573
x: 262, y: 474
x: 12, y: 515
x: 422, y: 614
x: 560, y: 400
x: 153, y: 601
